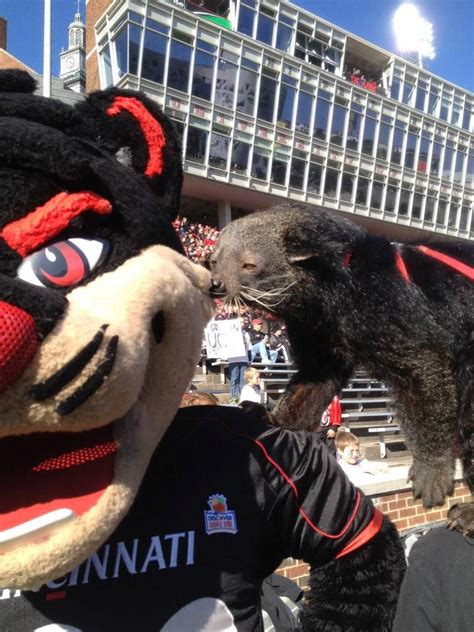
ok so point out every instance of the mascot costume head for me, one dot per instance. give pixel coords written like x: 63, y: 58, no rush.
x: 101, y: 318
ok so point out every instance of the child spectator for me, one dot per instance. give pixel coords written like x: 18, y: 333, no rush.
x: 358, y: 470
x: 251, y: 391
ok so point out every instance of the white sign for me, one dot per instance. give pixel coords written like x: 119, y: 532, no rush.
x: 224, y: 339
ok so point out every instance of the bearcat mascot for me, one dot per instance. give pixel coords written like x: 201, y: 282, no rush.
x: 114, y: 515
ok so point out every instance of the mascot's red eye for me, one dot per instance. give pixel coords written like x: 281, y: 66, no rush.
x: 64, y: 263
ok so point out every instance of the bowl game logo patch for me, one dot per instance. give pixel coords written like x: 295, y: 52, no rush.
x: 219, y: 519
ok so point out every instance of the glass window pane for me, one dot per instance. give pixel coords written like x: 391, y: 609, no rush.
x: 321, y: 119
x: 353, y: 130
x: 458, y: 169
x: 285, y: 105
x: 314, y: 178
x: 202, y: 75
x: 259, y: 165
x: 337, y: 128
x: 395, y: 89
x: 416, y: 208
x: 448, y: 160
x: 404, y: 202
x: 347, y: 187
x: 265, y: 29
x: 384, y: 136
x: 390, y: 198
x: 297, y: 173
x: 246, y: 92
x: 283, y: 40
x: 303, y: 113
x: 429, y: 208
x: 470, y: 170
x: 423, y: 155
x: 154, y: 53
x: 246, y: 19
x: 464, y: 218
x: 196, y: 145
x: 135, y: 33
x: 433, y: 102
x: 453, y: 215
x: 279, y: 168
x: 178, y: 66
x: 266, y: 101
x: 435, y: 159
x: 121, y: 51
x: 376, y: 199
x: 397, y: 146
x: 240, y: 157
x: 330, y: 186
x: 420, y: 97
x: 408, y: 89
x: 218, y: 150
x: 362, y: 190
x: 225, y: 84
x: 441, y: 214
x: 107, y: 66
x: 466, y: 119
x: 410, y: 151
x: 369, y: 135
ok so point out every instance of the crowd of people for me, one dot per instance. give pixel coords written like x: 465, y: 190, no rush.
x: 198, y: 240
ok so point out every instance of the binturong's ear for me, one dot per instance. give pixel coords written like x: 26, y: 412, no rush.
x: 321, y: 241
x: 132, y: 127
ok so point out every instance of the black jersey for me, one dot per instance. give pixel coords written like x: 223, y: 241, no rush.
x: 225, y: 499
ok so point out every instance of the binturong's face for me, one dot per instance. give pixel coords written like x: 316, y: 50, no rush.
x: 101, y: 320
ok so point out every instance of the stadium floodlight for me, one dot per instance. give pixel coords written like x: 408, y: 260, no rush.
x: 413, y: 33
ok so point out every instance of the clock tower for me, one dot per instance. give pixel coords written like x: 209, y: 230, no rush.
x: 72, y: 60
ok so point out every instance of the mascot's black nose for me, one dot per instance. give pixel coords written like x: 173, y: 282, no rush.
x: 217, y: 287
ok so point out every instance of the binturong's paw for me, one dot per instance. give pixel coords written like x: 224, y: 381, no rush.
x: 432, y: 482
x: 461, y: 517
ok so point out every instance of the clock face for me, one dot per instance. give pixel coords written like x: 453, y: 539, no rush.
x: 70, y: 62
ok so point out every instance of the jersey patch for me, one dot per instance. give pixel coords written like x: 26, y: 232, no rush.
x: 220, y: 519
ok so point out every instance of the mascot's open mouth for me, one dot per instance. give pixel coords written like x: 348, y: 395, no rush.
x: 46, y: 472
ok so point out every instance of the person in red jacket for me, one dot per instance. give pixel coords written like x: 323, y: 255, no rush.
x: 330, y: 423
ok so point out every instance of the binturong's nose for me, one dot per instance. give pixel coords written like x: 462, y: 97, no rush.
x: 217, y: 287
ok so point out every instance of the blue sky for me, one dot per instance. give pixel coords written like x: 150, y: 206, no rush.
x: 453, y: 26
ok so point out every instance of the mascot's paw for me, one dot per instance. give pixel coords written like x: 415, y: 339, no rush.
x: 461, y: 517
x: 432, y: 482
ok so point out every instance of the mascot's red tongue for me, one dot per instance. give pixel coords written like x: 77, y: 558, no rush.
x: 43, y: 472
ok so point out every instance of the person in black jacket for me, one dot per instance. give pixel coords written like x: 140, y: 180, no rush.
x: 437, y: 591
x: 225, y: 499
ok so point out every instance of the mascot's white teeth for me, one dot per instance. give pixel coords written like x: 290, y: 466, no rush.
x: 38, y: 529
x: 47, y: 472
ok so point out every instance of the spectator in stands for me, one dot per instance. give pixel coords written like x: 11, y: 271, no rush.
x: 198, y: 240
x: 198, y: 398
x: 279, y: 342
x: 252, y: 391
x: 237, y: 368
x: 437, y: 590
x: 330, y: 424
x: 358, y: 470
x: 259, y: 342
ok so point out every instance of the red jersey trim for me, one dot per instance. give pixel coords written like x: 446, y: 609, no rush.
x: 365, y: 535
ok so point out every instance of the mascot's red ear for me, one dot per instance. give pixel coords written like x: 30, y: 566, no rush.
x: 132, y: 127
